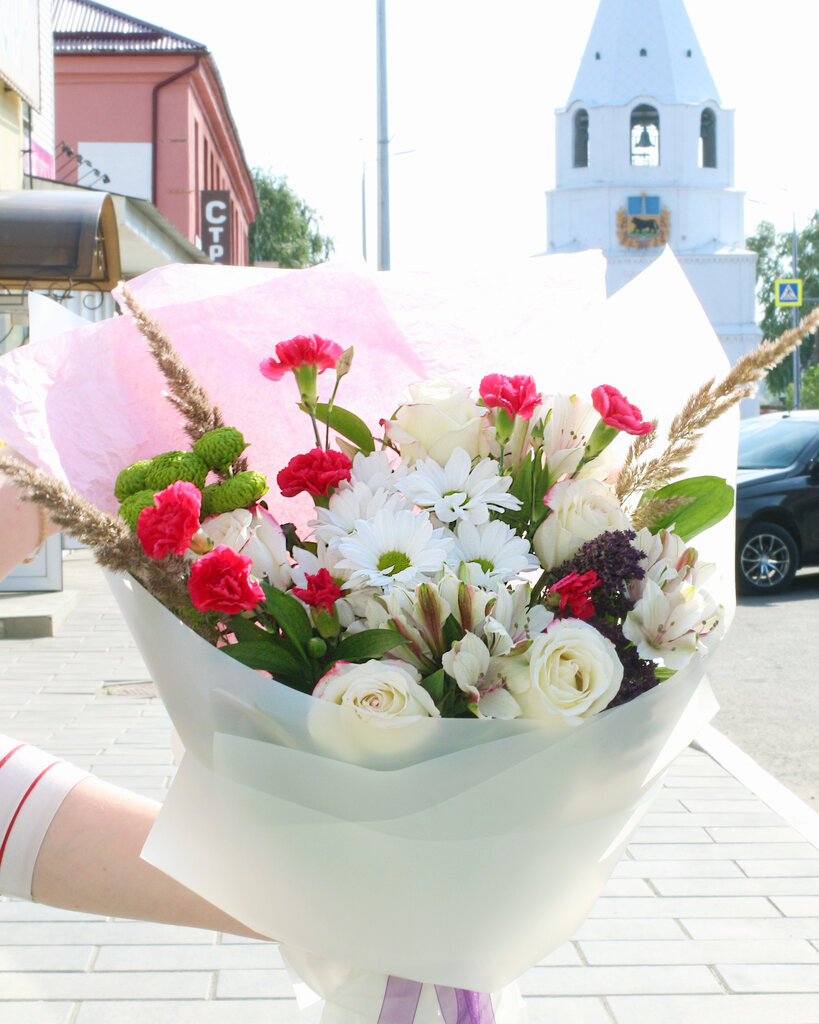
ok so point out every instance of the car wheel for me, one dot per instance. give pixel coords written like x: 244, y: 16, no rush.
x: 767, y: 560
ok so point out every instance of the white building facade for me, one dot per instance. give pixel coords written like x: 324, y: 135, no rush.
x: 645, y: 158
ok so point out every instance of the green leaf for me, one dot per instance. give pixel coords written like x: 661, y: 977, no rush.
x: 434, y: 685
x: 348, y: 425
x: 453, y: 631
x: 290, y: 615
x: 246, y: 629
x: 712, y: 500
x: 369, y: 643
x: 664, y: 673
x: 261, y: 654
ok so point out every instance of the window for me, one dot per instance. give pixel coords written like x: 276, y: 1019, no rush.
x: 645, y: 136
x: 581, y: 138
x: 708, y: 138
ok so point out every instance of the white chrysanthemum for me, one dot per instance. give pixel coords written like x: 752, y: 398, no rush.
x: 394, y: 548
x: 376, y: 470
x: 457, y: 490
x: 492, y: 553
x: 349, y: 505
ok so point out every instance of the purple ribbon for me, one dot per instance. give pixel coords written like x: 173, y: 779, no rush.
x: 458, y: 1005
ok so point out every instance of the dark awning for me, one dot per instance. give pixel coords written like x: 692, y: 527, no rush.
x: 58, y: 239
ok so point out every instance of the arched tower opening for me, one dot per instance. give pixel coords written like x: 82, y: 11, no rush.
x: 645, y: 136
x: 708, y: 138
x: 581, y: 139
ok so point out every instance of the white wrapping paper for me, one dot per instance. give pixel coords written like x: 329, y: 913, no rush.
x: 461, y: 860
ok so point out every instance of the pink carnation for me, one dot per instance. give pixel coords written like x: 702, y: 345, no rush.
x: 171, y: 521
x: 616, y: 411
x: 574, y: 591
x: 220, y: 581
x: 305, y: 349
x: 518, y: 395
x: 321, y: 590
x: 315, y: 471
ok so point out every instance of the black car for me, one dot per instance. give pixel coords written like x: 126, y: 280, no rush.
x: 777, y: 499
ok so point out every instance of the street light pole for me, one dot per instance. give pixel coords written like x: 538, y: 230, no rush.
x: 795, y: 316
x: 383, y: 139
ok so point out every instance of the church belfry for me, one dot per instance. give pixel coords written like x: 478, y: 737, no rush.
x: 645, y: 157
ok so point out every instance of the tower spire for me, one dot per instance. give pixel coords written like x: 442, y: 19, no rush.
x: 642, y: 47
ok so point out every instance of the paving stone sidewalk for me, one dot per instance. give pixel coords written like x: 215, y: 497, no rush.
x: 712, y: 916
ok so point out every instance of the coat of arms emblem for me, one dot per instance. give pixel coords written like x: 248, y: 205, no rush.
x: 643, y: 223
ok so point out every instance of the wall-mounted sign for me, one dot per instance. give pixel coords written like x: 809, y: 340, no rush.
x: 215, y: 218
x: 643, y: 223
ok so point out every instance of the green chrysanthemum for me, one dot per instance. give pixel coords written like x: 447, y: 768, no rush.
x: 169, y: 467
x: 220, y: 448
x: 237, y: 492
x: 131, y: 479
x: 133, y: 505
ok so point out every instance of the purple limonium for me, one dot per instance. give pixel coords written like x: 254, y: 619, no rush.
x: 639, y: 675
x: 615, y: 560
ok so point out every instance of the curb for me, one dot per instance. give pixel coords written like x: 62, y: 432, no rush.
x: 779, y: 798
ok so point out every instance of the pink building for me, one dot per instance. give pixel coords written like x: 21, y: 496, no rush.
x: 143, y: 112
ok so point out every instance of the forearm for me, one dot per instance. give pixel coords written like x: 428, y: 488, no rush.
x: 90, y: 861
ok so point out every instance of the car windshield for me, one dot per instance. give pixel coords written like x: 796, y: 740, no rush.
x: 774, y: 442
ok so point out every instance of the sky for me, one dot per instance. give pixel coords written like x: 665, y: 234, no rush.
x: 472, y: 91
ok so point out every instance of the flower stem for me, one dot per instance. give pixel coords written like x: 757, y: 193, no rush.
x: 329, y: 411
x: 537, y: 589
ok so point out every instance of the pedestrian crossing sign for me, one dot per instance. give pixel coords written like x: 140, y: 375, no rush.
x: 789, y: 291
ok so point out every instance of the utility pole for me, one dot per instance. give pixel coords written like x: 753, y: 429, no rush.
x: 795, y: 315
x: 383, y: 139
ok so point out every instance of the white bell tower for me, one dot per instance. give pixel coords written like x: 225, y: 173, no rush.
x: 645, y: 158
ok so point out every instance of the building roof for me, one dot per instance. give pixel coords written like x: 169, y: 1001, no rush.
x: 642, y: 48
x: 84, y: 26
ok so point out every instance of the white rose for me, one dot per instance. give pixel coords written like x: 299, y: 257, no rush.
x: 439, y: 418
x: 381, y: 693
x: 574, y: 672
x: 581, y: 511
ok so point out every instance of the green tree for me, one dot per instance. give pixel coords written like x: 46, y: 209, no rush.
x: 286, y: 229
x: 808, y: 390
x: 775, y: 260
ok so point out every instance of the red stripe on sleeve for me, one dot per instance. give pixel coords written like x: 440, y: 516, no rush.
x: 9, y: 754
x: 25, y: 797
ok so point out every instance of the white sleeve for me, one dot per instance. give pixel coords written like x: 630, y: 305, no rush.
x: 33, y: 784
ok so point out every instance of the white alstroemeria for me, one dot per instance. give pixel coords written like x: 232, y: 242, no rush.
x: 670, y: 563
x: 580, y: 511
x: 351, y: 503
x: 492, y: 553
x: 669, y: 625
x: 512, y: 616
x: 573, y: 673
x: 378, y: 469
x: 417, y: 615
x: 384, y: 694
x: 267, y: 549
x: 401, y: 548
x: 468, y: 603
x: 480, y: 677
x: 458, y: 490
x: 569, y: 422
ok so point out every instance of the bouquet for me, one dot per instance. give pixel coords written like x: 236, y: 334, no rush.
x: 421, y: 723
